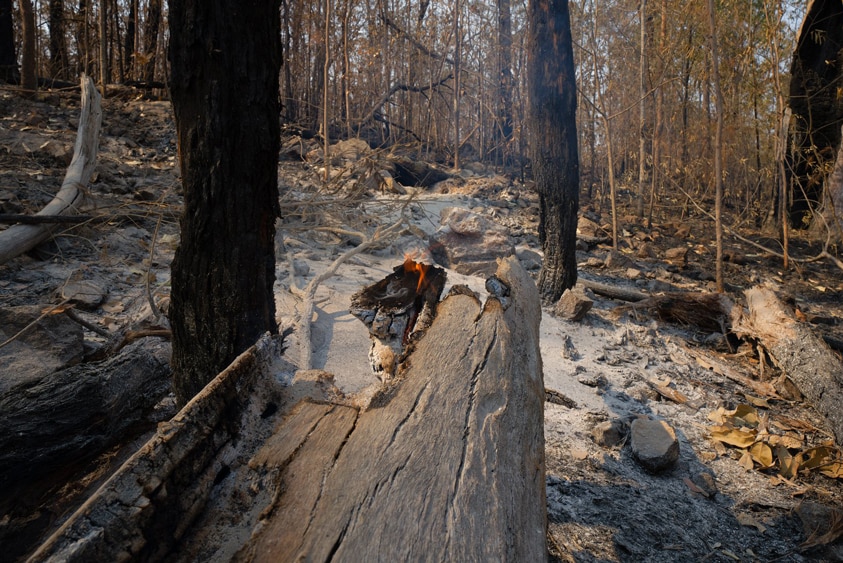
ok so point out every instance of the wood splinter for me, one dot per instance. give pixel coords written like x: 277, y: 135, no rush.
x: 397, y: 310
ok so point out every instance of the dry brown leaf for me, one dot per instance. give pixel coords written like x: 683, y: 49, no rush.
x: 745, y: 415
x: 670, y: 394
x: 762, y: 454
x: 787, y: 423
x: 819, y: 456
x: 739, y: 438
x: 756, y: 401
x: 746, y: 461
x: 694, y: 488
x: 788, y: 464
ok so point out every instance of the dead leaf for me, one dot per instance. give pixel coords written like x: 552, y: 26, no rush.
x: 745, y: 415
x: 579, y: 454
x: 787, y: 423
x: 757, y: 401
x: 694, y: 488
x: 749, y: 520
x: 817, y: 457
x: 788, y: 464
x: 762, y: 454
x: 670, y: 394
x: 739, y: 438
x: 746, y: 461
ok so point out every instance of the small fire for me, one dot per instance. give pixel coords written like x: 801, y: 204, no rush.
x: 411, y: 265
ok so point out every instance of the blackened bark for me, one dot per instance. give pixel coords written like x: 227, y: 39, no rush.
x: 9, y: 71
x: 28, y: 78
x: 58, y: 45
x: 129, y: 40
x: 553, y: 141
x: 225, y: 63
x: 150, y: 39
x: 814, y: 136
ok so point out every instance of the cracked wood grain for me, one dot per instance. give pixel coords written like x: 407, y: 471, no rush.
x: 449, y: 468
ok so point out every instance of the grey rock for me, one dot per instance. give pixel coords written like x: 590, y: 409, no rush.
x: 573, y: 305
x: 469, y: 243
x: 654, y: 444
x: 85, y: 294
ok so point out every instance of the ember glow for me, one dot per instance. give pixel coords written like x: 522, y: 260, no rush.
x: 411, y: 265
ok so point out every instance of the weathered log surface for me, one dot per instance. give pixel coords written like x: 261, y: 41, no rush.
x: 445, y: 463
x: 802, y: 355
x: 447, y: 467
x: 18, y: 239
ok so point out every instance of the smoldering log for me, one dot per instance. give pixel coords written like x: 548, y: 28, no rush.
x: 448, y: 465
x: 445, y: 463
x: 801, y: 354
x: 397, y: 310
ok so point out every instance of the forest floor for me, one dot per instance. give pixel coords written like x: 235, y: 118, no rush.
x: 717, y: 503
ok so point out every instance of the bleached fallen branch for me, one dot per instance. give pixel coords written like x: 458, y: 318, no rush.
x: 18, y: 239
x: 309, y: 291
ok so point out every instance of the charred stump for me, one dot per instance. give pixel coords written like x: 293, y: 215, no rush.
x: 397, y: 310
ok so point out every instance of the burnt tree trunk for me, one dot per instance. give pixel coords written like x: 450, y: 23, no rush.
x: 224, y: 87
x: 814, y: 134
x: 58, y: 46
x: 553, y: 141
x: 150, y: 41
x: 28, y: 78
x: 9, y: 71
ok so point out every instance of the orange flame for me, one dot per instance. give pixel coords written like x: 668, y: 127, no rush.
x: 411, y: 265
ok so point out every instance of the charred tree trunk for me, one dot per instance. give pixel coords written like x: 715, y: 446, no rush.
x: 9, y: 71
x: 224, y: 87
x: 58, y: 46
x: 129, y: 47
x: 29, y: 80
x: 553, y: 134
x: 814, y: 134
x: 150, y: 42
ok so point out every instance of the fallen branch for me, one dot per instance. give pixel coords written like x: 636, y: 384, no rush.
x: 803, y: 356
x: 18, y: 239
x: 612, y: 291
x: 310, y: 290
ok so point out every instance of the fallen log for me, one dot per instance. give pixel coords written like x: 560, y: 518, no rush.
x: 77, y: 412
x: 54, y: 426
x: 803, y: 356
x: 18, y: 239
x: 447, y: 467
x: 445, y: 462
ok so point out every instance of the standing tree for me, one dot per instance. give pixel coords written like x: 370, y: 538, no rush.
x: 552, y: 113
x: 28, y: 76
x: 718, y: 145
x: 9, y: 71
x: 225, y: 59
x: 816, y: 85
x: 58, y: 45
